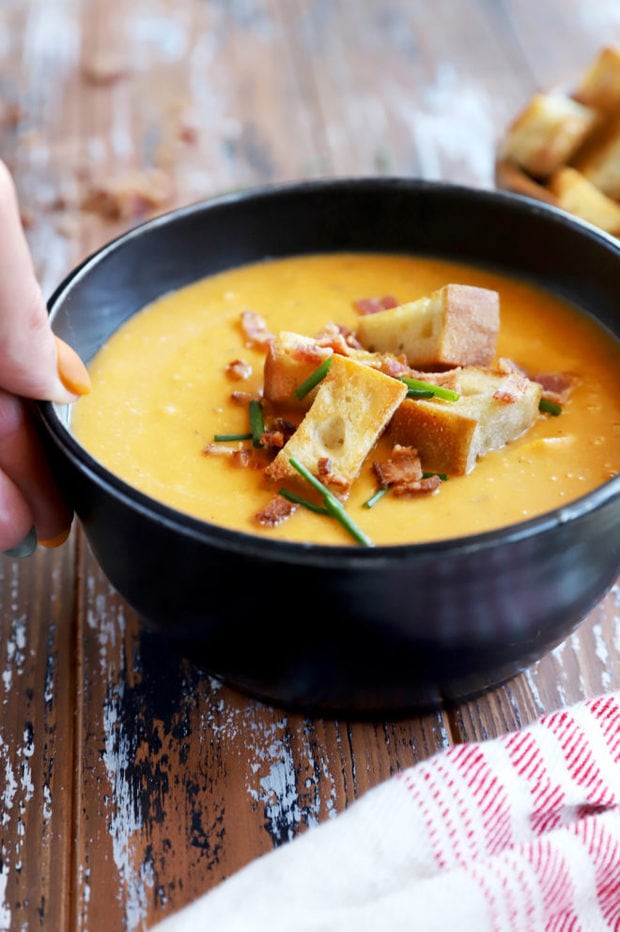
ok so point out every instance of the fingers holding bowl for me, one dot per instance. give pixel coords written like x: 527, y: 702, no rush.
x: 29, y: 497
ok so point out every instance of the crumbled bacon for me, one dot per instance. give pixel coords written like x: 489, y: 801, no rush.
x: 512, y: 388
x: 374, y: 305
x: 250, y: 458
x: 403, y: 474
x: 309, y: 352
x: 255, y: 329
x: 238, y: 370
x: 557, y: 386
x: 509, y: 367
x: 241, y: 398
x: 326, y: 474
x: 341, y: 339
x: 278, y: 433
x: 275, y: 512
x: 130, y: 195
x: 245, y: 457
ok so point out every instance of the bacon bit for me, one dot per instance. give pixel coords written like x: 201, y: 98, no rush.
x: 394, y: 366
x: 403, y: 466
x: 238, y: 370
x: 241, y: 398
x: 250, y: 458
x: 512, y: 388
x: 275, y: 512
x: 327, y: 475
x: 509, y: 367
x: 449, y: 378
x: 218, y: 449
x: 130, y: 195
x: 255, y: 329
x: 424, y: 485
x: 277, y: 434
x: 557, y: 386
x: 374, y: 305
x: 402, y: 473
x: 310, y: 353
x: 341, y: 339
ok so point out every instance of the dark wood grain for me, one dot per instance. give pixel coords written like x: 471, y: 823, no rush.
x: 131, y: 781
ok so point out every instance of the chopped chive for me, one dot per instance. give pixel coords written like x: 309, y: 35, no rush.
x: 370, y: 502
x: 437, y: 390
x: 228, y: 437
x: 418, y: 393
x: 313, y: 379
x: 333, y: 506
x: 549, y: 407
x: 442, y: 475
x: 298, y: 500
x: 256, y: 422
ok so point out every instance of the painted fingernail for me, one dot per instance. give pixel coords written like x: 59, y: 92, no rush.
x: 71, y: 370
x: 56, y: 541
x: 25, y: 548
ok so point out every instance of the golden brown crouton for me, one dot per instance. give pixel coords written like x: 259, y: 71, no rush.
x: 291, y: 358
x: 457, y: 325
x: 600, y: 85
x: 352, y: 406
x: 547, y: 133
x: 599, y: 160
x: 576, y: 194
x: 451, y: 436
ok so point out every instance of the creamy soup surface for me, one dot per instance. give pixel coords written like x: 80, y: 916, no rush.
x: 161, y: 392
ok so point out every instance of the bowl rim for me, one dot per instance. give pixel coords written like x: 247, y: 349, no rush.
x: 290, y: 550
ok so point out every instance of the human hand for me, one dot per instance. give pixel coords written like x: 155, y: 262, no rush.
x: 34, y: 364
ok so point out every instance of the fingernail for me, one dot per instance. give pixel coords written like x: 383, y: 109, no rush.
x: 25, y: 548
x: 71, y: 370
x: 56, y: 541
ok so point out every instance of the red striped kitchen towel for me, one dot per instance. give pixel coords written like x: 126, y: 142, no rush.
x: 519, y: 833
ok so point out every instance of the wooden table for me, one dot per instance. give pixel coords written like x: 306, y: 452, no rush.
x: 131, y: 783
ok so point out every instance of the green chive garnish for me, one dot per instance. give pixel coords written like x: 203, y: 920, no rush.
x: 417, y: 393
x: 298, y: 500
x: 256, y: 422
x: 376, y: 497
x: 228, y: 437
x: 333, y: 506
x: 438, y: 391
x: 313, y: 379
x: 549, y: 407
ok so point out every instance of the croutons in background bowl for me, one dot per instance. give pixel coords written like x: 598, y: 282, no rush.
x: 343, y: 629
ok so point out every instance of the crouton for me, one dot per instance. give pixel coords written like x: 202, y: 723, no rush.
x: 450, y: 437
x: 599, y: 160
x: 600, y: 84
x: 512, y: 177
x: 547, y: 133
x: 457, y: 325
x: 291, y: 358
x: 577, y: 195
x: 352, y: 406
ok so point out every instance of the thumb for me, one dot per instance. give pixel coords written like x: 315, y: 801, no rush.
x: 33, y: 362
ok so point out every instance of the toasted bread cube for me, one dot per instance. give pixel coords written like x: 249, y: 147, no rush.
x: 457, y: 325
x: 599, y: 161
x: 450, y: 437
x: 291, y: 359
x: 600, y: 84
x: 547, y: 133
x: 352, y: 407
x: 580, y: 197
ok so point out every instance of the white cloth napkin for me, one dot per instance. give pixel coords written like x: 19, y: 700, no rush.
x: 520, y: 833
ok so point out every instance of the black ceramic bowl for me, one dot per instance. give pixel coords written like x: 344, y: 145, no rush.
x: 367, y: 630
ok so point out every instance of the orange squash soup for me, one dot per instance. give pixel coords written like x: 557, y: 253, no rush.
x: 182, y: 371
